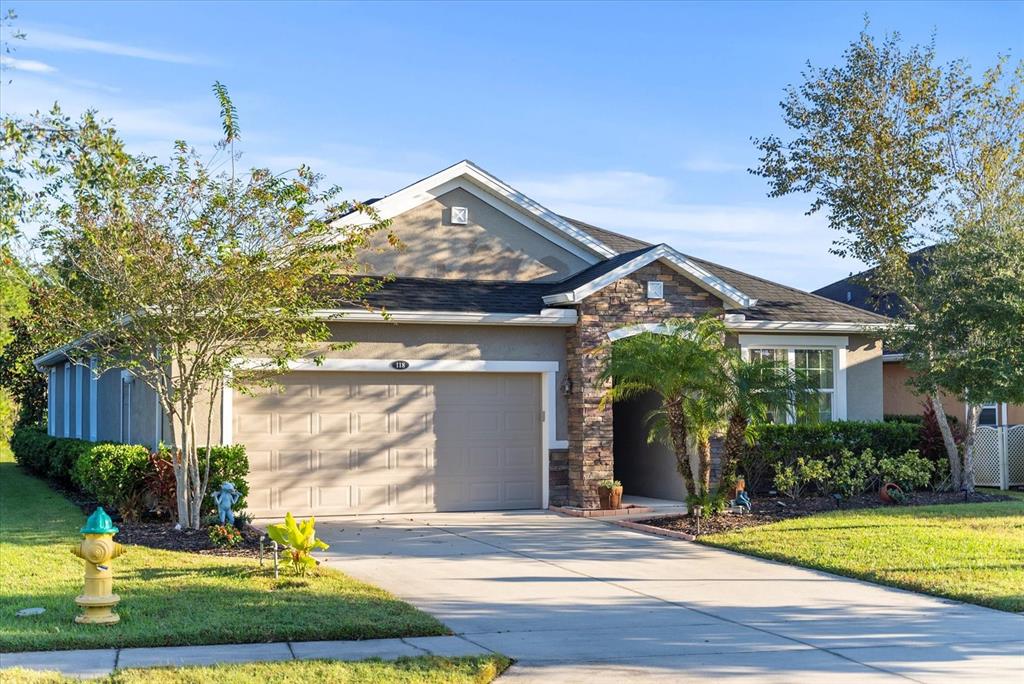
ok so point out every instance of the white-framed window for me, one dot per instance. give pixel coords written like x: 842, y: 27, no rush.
x: 991, y: 414
x: 821, y: 359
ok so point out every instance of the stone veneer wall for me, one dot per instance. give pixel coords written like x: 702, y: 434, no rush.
x: 574, y: 474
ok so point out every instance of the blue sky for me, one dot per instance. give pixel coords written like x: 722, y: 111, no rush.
x: 636, y: 117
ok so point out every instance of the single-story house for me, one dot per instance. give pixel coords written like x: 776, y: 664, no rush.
x: 897, y: 396
x: 479, y: 393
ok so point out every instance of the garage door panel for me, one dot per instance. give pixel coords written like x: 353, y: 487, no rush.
x: 336, y: 443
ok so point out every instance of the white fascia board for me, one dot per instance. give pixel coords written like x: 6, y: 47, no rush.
x: 415, y: 365
x: 793, y: 341
x: 429, y: 188
x: 804, y: 326
x: 552, y: 317
x: 665, y: 253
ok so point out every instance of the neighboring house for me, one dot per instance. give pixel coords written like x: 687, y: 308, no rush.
x: 480, y: 393
x: 899, y: 398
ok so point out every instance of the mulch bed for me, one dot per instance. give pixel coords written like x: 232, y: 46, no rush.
x: 157, y: 533
x: 162, y: 535
x: 767, y: 510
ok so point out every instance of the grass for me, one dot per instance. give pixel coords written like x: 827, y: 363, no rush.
x: 426, y: 670
x: 967, y: 552
x: 169, y: 598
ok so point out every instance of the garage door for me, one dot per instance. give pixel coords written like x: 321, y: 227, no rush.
x: 335, y: 443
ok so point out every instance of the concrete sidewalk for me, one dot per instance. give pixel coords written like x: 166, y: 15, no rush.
x: 100, y: 662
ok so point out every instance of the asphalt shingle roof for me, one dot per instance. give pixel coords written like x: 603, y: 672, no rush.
x: 776, y: 302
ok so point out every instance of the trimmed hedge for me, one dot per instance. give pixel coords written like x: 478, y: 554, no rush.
x: 121, y: 476
x: 783, y: 444
x: 46, y: 456
x: 116, y: 475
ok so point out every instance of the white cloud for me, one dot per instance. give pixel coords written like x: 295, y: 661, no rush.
x: 602, y: 188
x: 775, y: 240
x: 149, y: 127
x: 711, y: 165
x: 51, y: 40
x: 8, y: 62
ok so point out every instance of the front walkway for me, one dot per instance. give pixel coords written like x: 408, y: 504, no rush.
x: 576, y: 599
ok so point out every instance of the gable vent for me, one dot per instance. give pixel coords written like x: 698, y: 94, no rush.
x: 460, y: 215
x: 655, y: 289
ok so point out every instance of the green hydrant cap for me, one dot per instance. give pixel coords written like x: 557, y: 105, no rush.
x: 99, y: 523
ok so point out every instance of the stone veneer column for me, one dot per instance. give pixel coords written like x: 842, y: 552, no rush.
x: 591, y: 454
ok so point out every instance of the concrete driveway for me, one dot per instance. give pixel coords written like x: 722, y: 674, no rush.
x: 577, y: 600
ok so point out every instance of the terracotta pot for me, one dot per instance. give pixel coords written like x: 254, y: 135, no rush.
x: 884, y: 495
x: 740, y: 486
x: 611, y: 499
x: 616, y: 498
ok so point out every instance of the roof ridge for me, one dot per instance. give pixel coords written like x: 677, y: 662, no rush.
x: 605, y: 230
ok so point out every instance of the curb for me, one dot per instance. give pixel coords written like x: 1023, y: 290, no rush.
x: 651, y: 529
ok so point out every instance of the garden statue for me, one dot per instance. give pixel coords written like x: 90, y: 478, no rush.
x: 98, y: 549
x: 742, y: 500
x: 226, y: 498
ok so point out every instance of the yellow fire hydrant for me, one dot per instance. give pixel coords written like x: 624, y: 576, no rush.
x: 97, y: 550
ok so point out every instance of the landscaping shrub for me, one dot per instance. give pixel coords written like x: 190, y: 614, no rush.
x: 910, y: 471
x: 224, y: 536
x: 31, y: 447
x: 160, y: 485
x: 852, y: 474
x: 228, y: 463
x: 47, y: 456
x: 115, y: 474
x: 793, y: 480
x: 783, y: 444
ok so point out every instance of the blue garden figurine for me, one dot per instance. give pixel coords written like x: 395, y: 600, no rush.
x: 226, y: 498
x: 743, y: 501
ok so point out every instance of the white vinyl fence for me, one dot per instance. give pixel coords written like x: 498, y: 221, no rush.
x: 999, y: 456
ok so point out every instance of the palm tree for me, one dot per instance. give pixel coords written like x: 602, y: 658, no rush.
x: 682, y: 362
x: 760, y: 392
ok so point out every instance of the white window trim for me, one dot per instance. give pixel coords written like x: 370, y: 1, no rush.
x: 1001, y: 410
x: 127, y: 380
x: 94, y: 382
x: 79, y: 401
x: 548, y: 370
x: 67, y: 400
x: 838, y: 344
x: 51, y: 402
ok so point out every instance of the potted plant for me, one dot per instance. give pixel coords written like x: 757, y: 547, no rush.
x: 891, y: 493
x: 610, y: 492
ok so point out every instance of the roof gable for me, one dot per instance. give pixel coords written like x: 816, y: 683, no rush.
x: 602, y: 275
x: 498, y: 194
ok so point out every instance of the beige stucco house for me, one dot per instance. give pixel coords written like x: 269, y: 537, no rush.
x: 480, y: 392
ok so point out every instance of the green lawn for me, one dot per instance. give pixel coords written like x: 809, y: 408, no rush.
x: 967, y: 552
x: 169, y: 598
x: 425, y: 670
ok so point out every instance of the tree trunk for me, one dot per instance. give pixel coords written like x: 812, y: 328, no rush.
x: 181, y: 467
x: 732, y: 450
x: 973, y: 414
x: 955, y: 471
x: 678, y: 434
x: 704, y: 454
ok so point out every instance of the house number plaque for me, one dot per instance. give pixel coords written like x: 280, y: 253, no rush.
x: 399, y: 365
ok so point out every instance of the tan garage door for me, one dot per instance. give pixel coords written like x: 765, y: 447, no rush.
x: 334, y: 443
